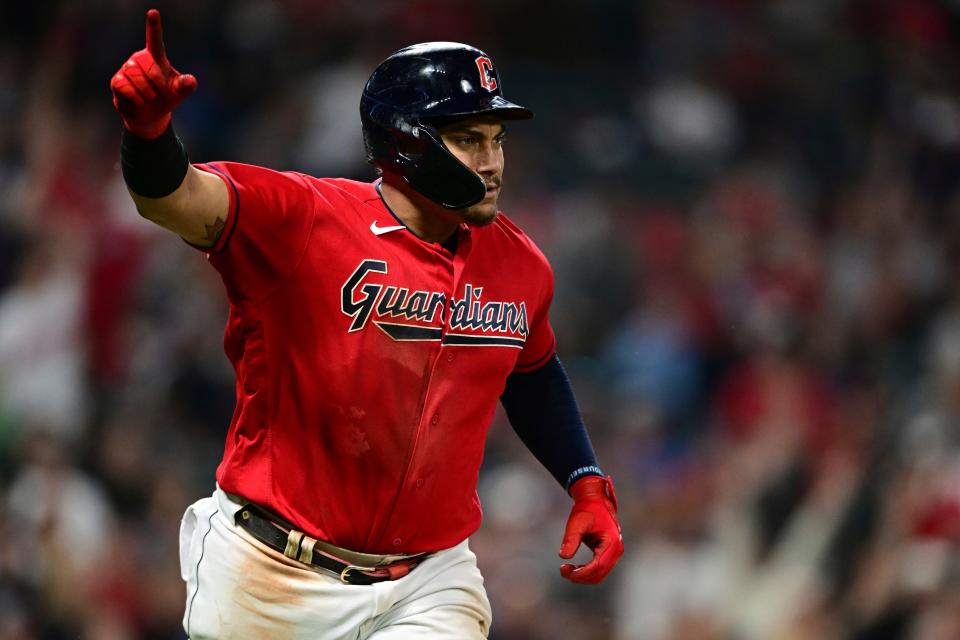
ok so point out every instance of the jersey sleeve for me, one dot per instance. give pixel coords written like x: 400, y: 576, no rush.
x: 541, y: 342
x: 268, y: 226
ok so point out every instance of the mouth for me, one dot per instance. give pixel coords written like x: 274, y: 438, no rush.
x: 493, y: 189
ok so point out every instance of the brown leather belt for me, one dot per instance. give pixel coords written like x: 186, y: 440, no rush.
x: 301, y: 547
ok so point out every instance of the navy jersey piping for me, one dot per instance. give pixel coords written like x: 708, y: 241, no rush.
x: 233, y: 224
x: 387, y: 207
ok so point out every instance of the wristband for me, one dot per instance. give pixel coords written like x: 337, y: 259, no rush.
x: 576, y: 474
x: 153, y: 168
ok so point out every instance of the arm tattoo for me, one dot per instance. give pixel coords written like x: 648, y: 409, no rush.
x: 214, y: 230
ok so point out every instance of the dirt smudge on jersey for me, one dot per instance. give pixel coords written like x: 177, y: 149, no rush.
x: 350, y: 438
x: 356, y: 442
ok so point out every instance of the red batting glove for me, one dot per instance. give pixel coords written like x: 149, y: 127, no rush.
x: 593, y: 521
x: 147, y: 88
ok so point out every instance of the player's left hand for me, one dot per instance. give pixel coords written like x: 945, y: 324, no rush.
x: 592, y: 521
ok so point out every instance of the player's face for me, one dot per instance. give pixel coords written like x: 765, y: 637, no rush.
x: 478, y: 143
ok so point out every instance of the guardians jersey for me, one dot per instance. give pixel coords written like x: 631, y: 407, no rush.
x: 369, y: 362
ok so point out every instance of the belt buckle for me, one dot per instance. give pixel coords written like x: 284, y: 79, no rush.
x: 352, y: 567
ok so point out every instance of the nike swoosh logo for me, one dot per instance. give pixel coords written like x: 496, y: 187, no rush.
x: 379, y: 231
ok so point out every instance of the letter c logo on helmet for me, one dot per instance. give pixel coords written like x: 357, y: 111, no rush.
x: 485, y: 66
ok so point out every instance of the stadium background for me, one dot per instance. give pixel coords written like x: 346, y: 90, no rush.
x: 752, y: 211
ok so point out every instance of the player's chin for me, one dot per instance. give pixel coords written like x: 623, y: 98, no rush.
x: 481, y: 214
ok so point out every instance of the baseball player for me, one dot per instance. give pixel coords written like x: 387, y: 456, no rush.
x: 373, y: 327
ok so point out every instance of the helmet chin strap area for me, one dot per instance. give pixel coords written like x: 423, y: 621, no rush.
x: 455, y: 196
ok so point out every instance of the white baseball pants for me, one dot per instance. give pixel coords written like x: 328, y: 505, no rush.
x: 237, y: 587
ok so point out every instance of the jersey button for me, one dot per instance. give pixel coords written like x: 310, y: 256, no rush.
x: 435, y: 419
x: 396, y: 542
x: 419, y: 482
x: 449, y: 357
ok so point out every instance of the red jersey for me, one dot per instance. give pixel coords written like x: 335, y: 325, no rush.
x: 369, y: 362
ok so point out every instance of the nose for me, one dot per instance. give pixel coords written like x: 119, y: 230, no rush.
x: 489, y: 159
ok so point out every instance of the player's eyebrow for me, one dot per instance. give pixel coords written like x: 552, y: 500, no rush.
x: 472, y: 129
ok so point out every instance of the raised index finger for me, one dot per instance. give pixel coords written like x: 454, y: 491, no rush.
x: 155, y: 37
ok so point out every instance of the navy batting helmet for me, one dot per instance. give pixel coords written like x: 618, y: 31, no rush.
x: 412, y: 92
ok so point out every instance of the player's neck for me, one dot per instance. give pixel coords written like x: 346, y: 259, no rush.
x: 426, y: 219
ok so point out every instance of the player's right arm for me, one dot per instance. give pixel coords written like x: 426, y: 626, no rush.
x: 165, y: 187
x: 197, y: 210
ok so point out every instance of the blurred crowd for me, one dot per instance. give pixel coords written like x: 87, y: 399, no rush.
x: 752, y: 211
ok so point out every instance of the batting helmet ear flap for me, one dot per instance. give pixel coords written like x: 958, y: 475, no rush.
x: 417, y: 86
x: 423, y: 161
x: 438, y: 172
